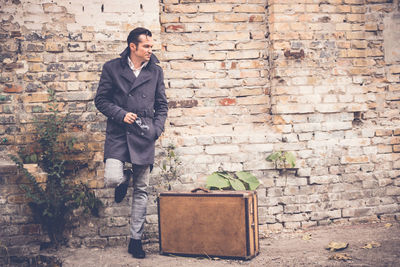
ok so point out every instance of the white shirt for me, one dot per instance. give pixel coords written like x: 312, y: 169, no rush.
x: 137, y: 71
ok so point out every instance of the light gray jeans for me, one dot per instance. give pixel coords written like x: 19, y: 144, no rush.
x: 114, y: 175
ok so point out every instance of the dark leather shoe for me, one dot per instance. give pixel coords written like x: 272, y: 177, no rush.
x: 120, y: 191
x: 135, y: 248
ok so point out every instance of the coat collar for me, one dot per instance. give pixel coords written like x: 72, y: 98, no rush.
x: 127, y: 73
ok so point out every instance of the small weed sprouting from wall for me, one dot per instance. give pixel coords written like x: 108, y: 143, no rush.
x: 54, y: 201
x: 170, y: 166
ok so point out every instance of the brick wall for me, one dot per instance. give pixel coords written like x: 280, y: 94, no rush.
x: 244, y: 78
x: 215, y: 58
x: 61, y: 45
x: 18, y: 231
x: 334, y: 96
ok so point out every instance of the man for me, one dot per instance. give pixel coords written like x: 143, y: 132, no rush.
x: 131, y: 94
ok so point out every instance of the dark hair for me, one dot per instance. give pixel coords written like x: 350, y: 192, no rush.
x: 133, y: 36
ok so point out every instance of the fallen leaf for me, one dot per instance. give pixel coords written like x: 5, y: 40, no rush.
x: 372, y: 244
x: 306, y: 237
x: 340, y: 257
x: 335, y: 246
x: 388, y: 225
x: 263, y: 236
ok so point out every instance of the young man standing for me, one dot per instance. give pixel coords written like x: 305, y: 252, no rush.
x: 131, y: 94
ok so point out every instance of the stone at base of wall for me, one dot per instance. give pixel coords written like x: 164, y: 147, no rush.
x: 266, y: 229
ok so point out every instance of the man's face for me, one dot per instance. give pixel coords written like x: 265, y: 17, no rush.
x: 144, y: 48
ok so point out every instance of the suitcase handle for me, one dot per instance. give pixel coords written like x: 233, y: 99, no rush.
x: 205, y: 190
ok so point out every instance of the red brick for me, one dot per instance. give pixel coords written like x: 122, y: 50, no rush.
x: 12, y: 88
x: 227, y: 101
x: 175, y: 28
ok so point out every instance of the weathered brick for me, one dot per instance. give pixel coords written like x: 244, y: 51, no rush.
x: 247, y: 54
x: 249, y: 9
x: 395, y: 140
x: 215, y: 8
x: 169, y: 18
x: 221, y: 149
x: 76, y: 96
x: 76, y: 46
x: 228, y: 36
x: 96, y: 242
x: 88, y: 76
x: 52, y: 67
x: 293, y: 108
x: 231, y: 17
x: 350, y: 159
x: 196, y: 18
x: 201, y: 55
x: 187, y: 65
x: 12, y: 88
x: 35, y: 97
x: 181, y: 8
x: 54, y: 47
x: 292, y: 217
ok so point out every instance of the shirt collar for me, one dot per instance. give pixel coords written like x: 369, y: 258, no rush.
x: 132, y: 66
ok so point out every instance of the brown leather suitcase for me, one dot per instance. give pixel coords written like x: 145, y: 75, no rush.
x: 210, y: 224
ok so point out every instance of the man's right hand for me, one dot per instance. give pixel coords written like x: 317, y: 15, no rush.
x: 130, y: 118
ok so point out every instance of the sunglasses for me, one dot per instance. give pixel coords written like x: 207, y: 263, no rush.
x: 141, y: 124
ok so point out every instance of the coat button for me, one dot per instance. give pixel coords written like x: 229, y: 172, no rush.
x: 142, y: 133
x: 144, y: 96
x: 129, y: 95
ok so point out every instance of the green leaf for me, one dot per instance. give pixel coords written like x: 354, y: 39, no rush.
x: 216, y: 180
x: 237, y: 185
x: 225, y: 175
x: 290, y: 159
x: 248, y: 178
x: 274, y: 156
x: 33, y: 158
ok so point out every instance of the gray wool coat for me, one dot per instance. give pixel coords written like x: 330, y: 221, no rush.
x: 120, y: 92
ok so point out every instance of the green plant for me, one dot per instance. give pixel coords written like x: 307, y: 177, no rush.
x: 223, y: 180
x: 53, y: 203
x: 170, y: 166
x: 282, y: 159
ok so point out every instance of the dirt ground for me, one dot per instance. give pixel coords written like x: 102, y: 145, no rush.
x: 300, y: 248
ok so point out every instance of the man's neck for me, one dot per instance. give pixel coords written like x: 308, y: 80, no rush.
x: 136, y: 62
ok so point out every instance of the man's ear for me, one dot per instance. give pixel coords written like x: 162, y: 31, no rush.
x: 132, y: 46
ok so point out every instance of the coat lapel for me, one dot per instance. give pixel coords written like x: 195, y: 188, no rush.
x: 128, y: 75
x: 144, y: 76
x: 126, y: 72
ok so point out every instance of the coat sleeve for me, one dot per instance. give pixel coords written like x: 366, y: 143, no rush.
x: 104, y: 97
x: 160, y: 105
